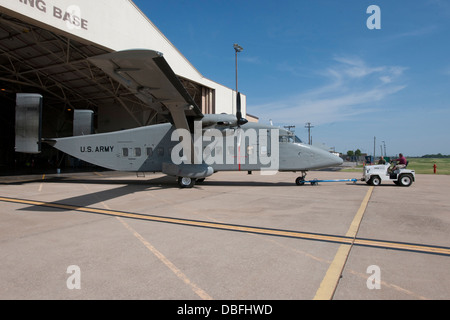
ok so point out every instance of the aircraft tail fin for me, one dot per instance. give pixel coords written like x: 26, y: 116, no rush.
x: 28, y: 122
x: 83, y: 122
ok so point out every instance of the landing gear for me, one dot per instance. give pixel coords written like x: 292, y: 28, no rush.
x: 301, y: 180
x: 185, y: 182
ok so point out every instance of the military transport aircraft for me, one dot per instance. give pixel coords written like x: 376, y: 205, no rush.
x: 192, y: 145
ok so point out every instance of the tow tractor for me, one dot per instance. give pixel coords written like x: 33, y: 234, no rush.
x: 375, y: 174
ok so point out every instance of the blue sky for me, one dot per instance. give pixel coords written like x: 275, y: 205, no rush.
x: 316, y: 61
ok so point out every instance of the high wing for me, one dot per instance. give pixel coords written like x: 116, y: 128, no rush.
x: 148, y: 75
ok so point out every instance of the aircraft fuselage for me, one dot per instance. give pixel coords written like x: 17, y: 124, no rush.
x: 251, y: 147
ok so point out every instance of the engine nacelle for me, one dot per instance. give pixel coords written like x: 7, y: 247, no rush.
x: 195, y: 171
x: 219, y: 119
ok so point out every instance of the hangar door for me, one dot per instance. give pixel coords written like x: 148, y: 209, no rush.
x: 203, y: 96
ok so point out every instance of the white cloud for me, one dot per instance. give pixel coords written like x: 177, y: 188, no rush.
x: 253, y: 59
x: 352, y: 88
x: 355, y: 67
x: 420, y: 32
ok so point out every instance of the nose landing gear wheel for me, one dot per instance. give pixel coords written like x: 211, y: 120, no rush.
x: 185, y: 182
x: 300, y: 181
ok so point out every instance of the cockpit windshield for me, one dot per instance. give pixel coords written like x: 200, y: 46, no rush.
x: 289, y: 138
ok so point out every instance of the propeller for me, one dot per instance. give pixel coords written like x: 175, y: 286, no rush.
x: 240, y: 120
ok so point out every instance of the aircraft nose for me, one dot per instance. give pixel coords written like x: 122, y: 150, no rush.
x: 335, y: 160
x: 324, y: 159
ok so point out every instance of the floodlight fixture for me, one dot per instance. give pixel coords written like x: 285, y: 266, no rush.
x: 238, y: 48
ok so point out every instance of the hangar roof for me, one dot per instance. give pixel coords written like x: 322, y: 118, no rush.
x: 34, y: 59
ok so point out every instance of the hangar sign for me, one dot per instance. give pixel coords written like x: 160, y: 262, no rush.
x: 71, y: 15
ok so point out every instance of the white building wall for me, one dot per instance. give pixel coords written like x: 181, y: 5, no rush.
x: 115, y: 25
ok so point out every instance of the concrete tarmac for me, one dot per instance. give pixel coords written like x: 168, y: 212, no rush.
x: 112, y: 235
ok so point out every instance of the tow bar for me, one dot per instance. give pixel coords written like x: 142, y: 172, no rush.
x: 315, y: 182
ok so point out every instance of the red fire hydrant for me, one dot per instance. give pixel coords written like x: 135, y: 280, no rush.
x: 434, y: 167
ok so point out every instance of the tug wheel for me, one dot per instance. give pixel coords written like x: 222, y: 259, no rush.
x: 405, y: 180
x: 375, y: 181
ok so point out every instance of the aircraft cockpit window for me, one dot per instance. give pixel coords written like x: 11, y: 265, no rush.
x: 289, y: 139
x: 137, y: 152
x: 125, y: 152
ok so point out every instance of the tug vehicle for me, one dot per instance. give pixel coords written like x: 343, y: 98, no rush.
x: 375, y: 174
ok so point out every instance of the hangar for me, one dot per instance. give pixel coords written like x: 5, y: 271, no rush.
x: 44, y: 46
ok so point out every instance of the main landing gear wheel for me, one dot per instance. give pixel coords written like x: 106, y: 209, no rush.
x: 185, y: 182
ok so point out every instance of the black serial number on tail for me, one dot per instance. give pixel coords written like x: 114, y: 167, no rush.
x: 97, y: 149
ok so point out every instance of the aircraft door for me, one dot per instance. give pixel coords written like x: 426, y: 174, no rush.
x: 126, y: 157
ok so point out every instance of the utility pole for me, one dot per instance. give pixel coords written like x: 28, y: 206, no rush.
x: 237, y: 48
x: 289, y: 128
x: 309, y: 126
x: 374, y: 143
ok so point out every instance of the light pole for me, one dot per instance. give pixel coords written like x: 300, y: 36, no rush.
x: 237, y: 48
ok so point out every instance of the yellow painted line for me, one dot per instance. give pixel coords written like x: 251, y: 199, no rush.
x: 330, y: 281
x: 346, y: 241
x: 195, y: 288
x: 403, y: 246
x: 42, y: 184
x: 354, y: 226
x: 200, y: 292
x: 205, y: 224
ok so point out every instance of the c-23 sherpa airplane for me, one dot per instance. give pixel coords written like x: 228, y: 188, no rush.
x: 192, y: 145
